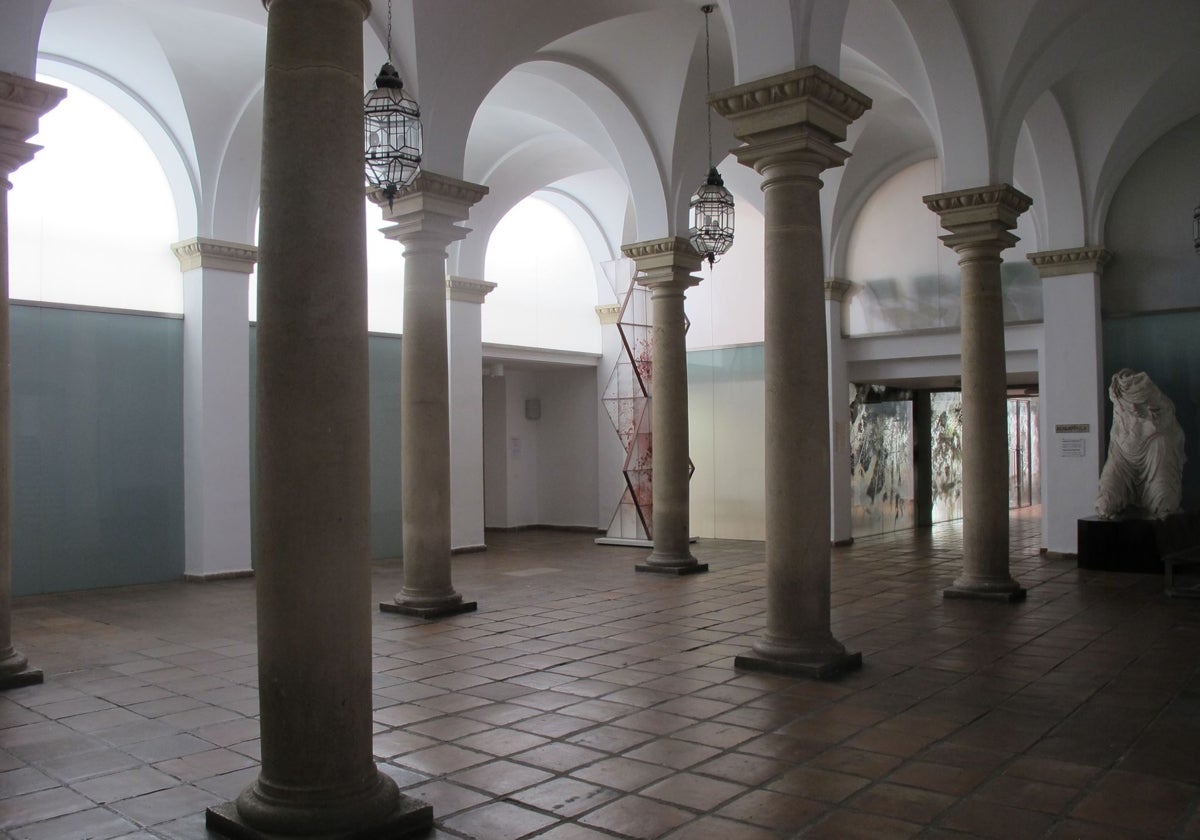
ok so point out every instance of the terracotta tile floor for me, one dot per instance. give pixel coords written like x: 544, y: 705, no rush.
x: 585, y: 701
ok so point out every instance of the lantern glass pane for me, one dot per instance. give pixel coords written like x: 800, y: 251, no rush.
x: 710, y: 220
x: 392, y: 137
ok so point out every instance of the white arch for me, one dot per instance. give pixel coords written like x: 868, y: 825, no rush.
x: 232, y: 206
x: 961, y: 129
x: 167, y: 147
x: 1061, y: 205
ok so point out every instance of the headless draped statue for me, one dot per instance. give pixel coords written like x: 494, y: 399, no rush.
x: 1143, y: 475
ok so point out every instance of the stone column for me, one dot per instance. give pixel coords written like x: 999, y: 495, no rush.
x: 425, y: 219
x: 1071, y: 393
x: 790, y: 124
x: 980, y: 222
x: 665, y: 266
x: 839, y: 415
x: 22, y: 102
x: 464, y: 300
x: 216, y: 407
x: 312, y: 522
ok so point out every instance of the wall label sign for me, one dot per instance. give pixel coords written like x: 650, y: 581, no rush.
x: 1072, y: 428
x: 1073, y: 447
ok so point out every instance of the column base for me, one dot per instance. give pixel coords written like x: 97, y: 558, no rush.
x: 410, y: 818
x: 986, y: 593
x: 17, y: 679
x: 15, y: 671
x: 428, y: 610
x: 657, y: 564
x: 825, y: 668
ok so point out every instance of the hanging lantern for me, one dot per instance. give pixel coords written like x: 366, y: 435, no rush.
x: 710, y: 216
x: 393, y: 133
x: 392, y: 129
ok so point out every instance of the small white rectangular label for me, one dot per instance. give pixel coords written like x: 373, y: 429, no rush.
x: 1074, y: 447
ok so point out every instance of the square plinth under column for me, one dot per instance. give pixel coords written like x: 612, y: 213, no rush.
x: 826, y: 669
x: 428, y: 612
x: 690, y: 569
x: 1008, y: 597
x: 412, y: 818
x: 30, y: 676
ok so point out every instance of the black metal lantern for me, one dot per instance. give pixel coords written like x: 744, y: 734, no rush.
x: 1196, y: 228
x: 710, y: 218
x: 392, y: 129
x: 710, y: 215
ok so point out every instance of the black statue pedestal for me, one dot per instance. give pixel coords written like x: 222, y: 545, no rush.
x: 1119, y: 545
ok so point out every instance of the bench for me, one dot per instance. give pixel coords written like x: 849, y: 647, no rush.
x: 1178, y: 539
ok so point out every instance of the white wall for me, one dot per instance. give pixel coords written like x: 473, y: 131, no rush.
x: 541, y: 471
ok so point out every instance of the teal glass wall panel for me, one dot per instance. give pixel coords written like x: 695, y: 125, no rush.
x: 726, y: 423
x: 1167, y: 347
x: 97, y: 411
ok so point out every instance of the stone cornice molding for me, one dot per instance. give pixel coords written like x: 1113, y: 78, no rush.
x: 980, y: 217
x: 22, y: 103
x: 672, y: 251
x: 662, y: 262
x: 608, y: 313
x: 199, y: 252
x: 467, y: 290
x: 995, y: 202
x: 428, y: 210
x: 808, y: 96
x: 1070, y: 261
x: 836, y: 289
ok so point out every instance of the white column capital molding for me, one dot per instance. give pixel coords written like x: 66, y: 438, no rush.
x: 979, y: 217
x: 761, y: 109
x: 467, y: 290
x: 837, y: 288
x: 608, y: 313
x: 199, y: 252
x: 667, y: 261
x: 22, y: 103
x: 1070, y: 261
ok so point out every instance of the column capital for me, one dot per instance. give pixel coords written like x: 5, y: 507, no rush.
x: 837, y: 288
x: 467, y: 290
x: 1070, y: 261
x: 662, y: 263
x: 608, y: 313
x: 980, y: 217
x: 760, y: 110
x: 429, y: 209
x: 199, y: 252
x: 22, y: 102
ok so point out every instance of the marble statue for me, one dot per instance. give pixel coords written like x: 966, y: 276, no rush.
x: 1144, y: 470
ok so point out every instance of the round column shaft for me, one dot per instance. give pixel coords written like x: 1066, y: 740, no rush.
x: 425, y: 216
x: 312, y: 523
x: 790, y: 124
x: 979, y: 221
x: 665, y: 267
x: 22, y: 102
